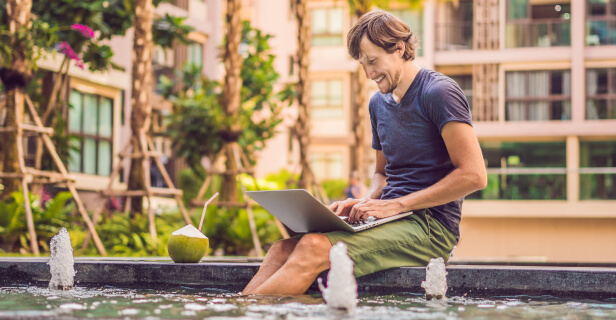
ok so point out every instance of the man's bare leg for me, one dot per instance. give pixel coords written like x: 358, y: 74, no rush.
x: 309, y: 258
x: 275, y: 258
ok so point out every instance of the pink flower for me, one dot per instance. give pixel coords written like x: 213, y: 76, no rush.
x: 85, y: 30
x: 66, y: 49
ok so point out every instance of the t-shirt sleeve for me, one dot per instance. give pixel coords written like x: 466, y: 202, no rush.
x: 444, y: 102
x: 376, y: 142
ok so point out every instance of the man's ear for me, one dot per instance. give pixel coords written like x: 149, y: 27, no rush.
x: 401, y: 47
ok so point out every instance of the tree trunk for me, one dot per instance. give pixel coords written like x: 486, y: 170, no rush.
x: 15, y: 79
x: 359, y: 117
x: 358, y: 114
x: 140, y: 100
x: 302, y: 127
x: 230, y: 99
x: 14, y: 116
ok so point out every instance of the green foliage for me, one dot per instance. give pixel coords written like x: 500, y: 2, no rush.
x: 130, y: 237
x: 168, y: 28
x: 199, y: 118
x: 335, y: 188
x: 229, y: 230
x: 34, y: 40
x: 51, y: 21
x: 99, y: 57
x: 48, y: 220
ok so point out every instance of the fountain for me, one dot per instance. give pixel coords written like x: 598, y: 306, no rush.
x: 341, y: 291
x: 61, y: 262
x: 436, y: 279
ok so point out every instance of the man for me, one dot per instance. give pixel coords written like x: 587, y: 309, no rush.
x: 427, y: 156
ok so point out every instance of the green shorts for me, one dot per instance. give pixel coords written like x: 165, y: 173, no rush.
x: 409, y: 242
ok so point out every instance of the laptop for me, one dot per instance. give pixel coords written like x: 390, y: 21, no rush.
x: 303, y: 213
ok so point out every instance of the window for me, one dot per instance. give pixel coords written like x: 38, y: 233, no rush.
x: 466, y: 84
x: 524, y: 171
x: 327, y: 99
x: 601, y: 22
x: 327, y: 27
x: 598, y: 170
x: 601, y: 94
x: 532, y: 23
x: 456, y: 33
x: 414, y: 19
x: 90, y: 125
x: 327, y: 165
x: 195, y: 54
x: 538, y: 95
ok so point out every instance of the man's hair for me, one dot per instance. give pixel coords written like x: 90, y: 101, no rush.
x: 384, y: 30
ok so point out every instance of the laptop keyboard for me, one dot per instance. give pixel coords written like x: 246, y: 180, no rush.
x: 359, y: 223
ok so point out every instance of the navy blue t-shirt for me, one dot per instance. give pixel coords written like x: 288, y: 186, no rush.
x: 409, y: 134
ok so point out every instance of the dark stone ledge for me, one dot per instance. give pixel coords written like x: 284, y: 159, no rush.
x: 234, y: 273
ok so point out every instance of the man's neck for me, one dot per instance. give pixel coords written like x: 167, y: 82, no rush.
x: 409, y: 72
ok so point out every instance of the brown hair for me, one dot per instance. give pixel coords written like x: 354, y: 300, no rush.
x: 384, y: 30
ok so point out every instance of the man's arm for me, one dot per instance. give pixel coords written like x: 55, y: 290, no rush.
x: 378, y: 182
x: 468, y: 176
x: 379, y: 178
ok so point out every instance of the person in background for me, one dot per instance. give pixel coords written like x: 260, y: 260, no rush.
x: 356, y: 189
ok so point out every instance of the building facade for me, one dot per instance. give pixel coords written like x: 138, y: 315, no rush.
x: 540, y: 76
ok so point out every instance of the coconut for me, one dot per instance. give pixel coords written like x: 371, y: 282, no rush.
x: 187, y: 245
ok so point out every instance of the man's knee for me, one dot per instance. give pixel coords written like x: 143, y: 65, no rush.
x: 283, y: 247
x: 312, y: 252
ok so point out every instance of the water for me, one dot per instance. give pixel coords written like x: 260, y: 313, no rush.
x: 24, y: 302
x: 61, y: 263
x: 436, y: 279
x: 341, y: 291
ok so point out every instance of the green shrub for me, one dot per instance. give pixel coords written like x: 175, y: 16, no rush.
x: 123, y: 235
x: 48, y: 220
x: 335, y: 189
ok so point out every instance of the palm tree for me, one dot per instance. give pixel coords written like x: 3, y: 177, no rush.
x: 230, y: 99
x: 141, y: 109
x: 358, y: 109
x: 15, y: 77
x: 302, y: 127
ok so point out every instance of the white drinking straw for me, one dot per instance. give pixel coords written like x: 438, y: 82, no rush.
x: 205, y: 207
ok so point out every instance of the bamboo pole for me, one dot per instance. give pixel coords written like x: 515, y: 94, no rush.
x: 114, y: 173
x: 29, y: 219
x: 56, y: 158
x: 169, y: 182
x: 24, y: 186
x: 251, y: 219
x: 151, y: 221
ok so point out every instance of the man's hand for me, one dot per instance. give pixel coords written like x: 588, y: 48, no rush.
x: 342, y: 208
x: 376, y: 208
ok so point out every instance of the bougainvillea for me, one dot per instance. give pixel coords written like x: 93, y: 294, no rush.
x: 66, y: 49
x: 85, y: 30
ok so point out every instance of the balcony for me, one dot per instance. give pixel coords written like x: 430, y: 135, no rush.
x: 600, y: 31
x: 541, y: 33
x: 454, y: 36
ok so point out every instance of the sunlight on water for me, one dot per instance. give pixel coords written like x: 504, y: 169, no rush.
x: 189, y: 303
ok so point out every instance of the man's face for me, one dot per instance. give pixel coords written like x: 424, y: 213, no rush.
x: 382, y: 67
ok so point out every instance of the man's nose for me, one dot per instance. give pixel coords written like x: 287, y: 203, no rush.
x: 369, y: 71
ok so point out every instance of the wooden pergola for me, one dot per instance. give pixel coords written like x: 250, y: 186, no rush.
x: 28, y: 175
